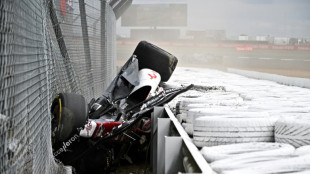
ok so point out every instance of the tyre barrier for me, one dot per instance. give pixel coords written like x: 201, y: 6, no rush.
x: 187, y: 120
x: 212, y: 131
x: 256, y: 149
x: 303, y: 150
x: 189, y: 129
x: 250, y: 113
x: 252, y: 157
x: 293, y: 130
x: 193, y: 114
x: 210, y: 104
x: 203, y: 100
x: 188, y: 162
x: 188, y: 165
x: 300, y: 164
x: 220, y: 96
x: 237, y: 162
x: 181, y: 117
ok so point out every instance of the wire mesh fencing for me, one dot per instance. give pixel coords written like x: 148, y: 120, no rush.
x: 48, y: 47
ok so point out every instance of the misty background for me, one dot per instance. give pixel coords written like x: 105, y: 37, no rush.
x: 270, y: 36
x: 282, y: 18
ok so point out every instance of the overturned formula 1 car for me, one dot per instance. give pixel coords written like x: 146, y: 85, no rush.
x: 94, y: 136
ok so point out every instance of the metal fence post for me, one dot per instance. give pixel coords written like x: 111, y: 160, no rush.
x: 86, y: 45
x: 62, y: 46
x: 103, y: 41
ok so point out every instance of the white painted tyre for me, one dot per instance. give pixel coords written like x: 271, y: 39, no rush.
x: 238, y: 162
x: 209, y: 98
x: 209, y: 131
x: 256, y: 149
x: 181, y: 117
x: 261, y: 129
x: 233, y: 134
x: 187, y: 165
x: 303, y: 172
x: 303, y: 150
x: 202, y: 102
x: 234, y: 103
x: 206, y: 141
x: 193, y: 114
x: 188, y: 127
x: 293, y: 130
x: 235, y: 122
x: 294, y: 165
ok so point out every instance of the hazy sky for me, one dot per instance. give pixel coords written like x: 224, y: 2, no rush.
x: 281, y: 18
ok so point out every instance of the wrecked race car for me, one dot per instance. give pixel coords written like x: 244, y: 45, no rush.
x: 96, y: 136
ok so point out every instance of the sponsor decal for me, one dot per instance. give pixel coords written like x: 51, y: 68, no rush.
x: 66, y: 144
x: 153, y: 76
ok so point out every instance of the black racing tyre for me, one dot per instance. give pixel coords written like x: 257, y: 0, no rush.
x: 152, y: 57
x: 70, y: 112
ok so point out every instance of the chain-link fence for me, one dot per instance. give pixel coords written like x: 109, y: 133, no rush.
x: 47, y: 47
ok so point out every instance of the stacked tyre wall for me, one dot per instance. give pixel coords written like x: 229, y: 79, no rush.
x: 48, y: 47
x: 245, y: 125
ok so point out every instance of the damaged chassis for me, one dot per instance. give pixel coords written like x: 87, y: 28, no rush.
x: 98, y: 135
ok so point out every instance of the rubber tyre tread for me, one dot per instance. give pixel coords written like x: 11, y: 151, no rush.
x: 193, y: 114
x: 255, y: 149
x: 188, y: 128
x: 207, y: 141
x: 74, y: 114
x: 152, y: 57
x: 234, y: 134
x: 234, y: 129
x: 285, y: 165
x: 295, y: 131
x: 303, y: 150
x: 219, y: 131
x: 240, y: 162
x: 235, y: 122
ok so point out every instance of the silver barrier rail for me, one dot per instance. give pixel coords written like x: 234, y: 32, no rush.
x: 173, y: 151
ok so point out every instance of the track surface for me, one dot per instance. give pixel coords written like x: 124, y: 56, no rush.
x: 283, y: 62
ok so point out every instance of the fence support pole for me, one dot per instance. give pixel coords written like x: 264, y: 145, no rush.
x: 86, y: 46
x: 62, y: 46
x: 103, y: 41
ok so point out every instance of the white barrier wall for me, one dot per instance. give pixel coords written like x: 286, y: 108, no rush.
x: 291, y: 81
